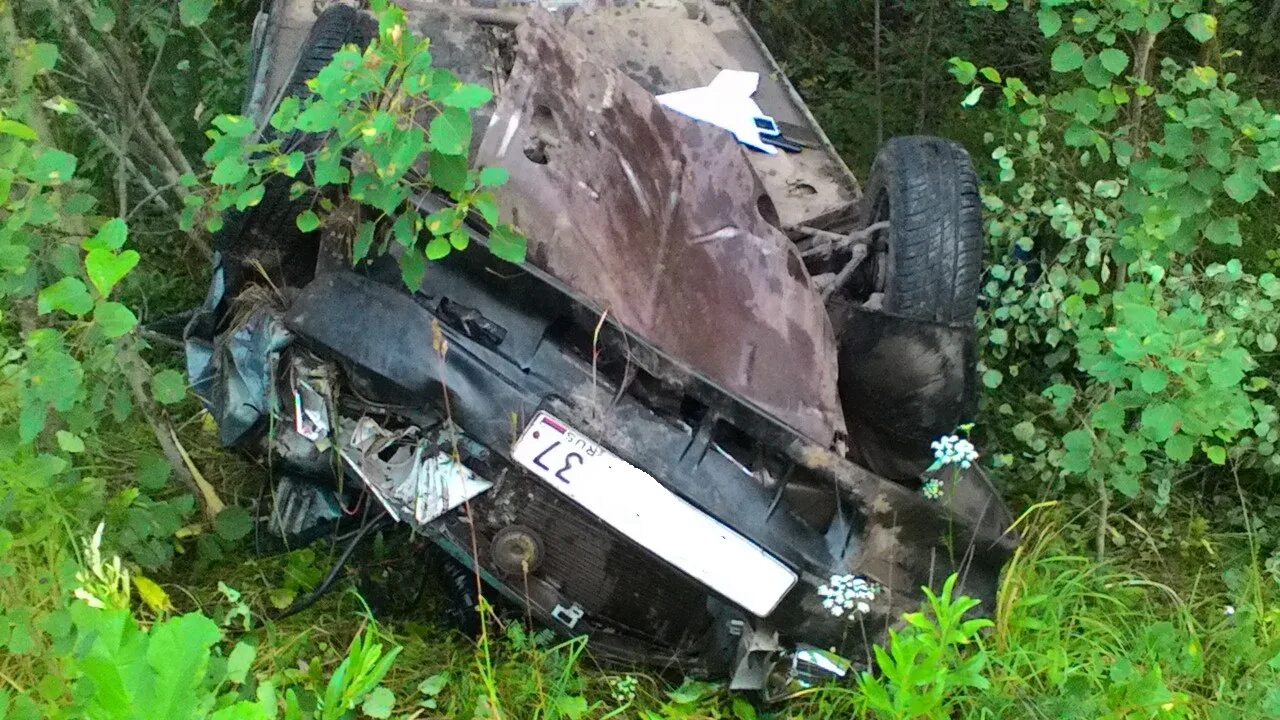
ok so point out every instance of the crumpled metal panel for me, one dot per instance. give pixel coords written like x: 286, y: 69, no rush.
x: 231, y: 371
x: 657, y: 219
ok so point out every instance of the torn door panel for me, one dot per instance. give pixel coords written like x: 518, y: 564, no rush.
x: 657, y: 219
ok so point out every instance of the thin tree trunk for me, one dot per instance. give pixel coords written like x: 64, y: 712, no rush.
x: 878, y: 81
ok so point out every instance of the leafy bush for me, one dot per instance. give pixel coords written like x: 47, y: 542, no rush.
x: 369, y: 108
x: 1123, y: 186
x: 922, y: 668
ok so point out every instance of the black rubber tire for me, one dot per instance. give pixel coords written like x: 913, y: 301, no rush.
x: 902, y: 384
x: 927, y: 190
x: 337, y: 27
x: 267, y: 234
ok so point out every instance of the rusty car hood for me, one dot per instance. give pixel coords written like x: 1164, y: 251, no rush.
x: 657, y: 219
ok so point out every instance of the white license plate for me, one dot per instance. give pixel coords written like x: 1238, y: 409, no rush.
x: 635, y: 504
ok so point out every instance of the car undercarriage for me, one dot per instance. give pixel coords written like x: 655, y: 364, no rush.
x: 699, y: 411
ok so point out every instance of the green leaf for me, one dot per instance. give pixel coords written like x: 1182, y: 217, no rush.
x: 379, y: 703
x: 114, y: 319
x: 1226, y: 370
x: 1115, y: 61
x: 992, y: 378
x: 69, y: 295
x: 70, y: 442
x: 44, y: 57
x: 236, y: 126
x: 251, y: 197
x: 307, y: 221
x: 285, y: 117
x: 16, y: 129
x: 1108, y: 416
x: 54, y: 166
x: 973, y: 97
x: 1179, y: 448
x: 1266, y: 342
x: 493, y: 176
x: 1242, y: 185
x: 434, y: 685
x: 1143, y: 320
x: 413, y: 268
x: 437, y: 247
x: 469, y: 96
x: 152, y: 471
x: 111, y: 235
x: 363, y: 243
x: 61, y: 105
x: 1079, y: 455
x: 106, y: 268
x: 1201, y: 26
x: 1066, y: 57
x: 1125, y: 484
x: 1224, y: 231
x: 232, y: 523
x: 1050, y: 22
x: 292, y: 163
x: 1095, y: 73
x: 963, y: 70
x: 102, y: 18
x: 229, y: 171
x: 487, y: 205
x: 451, y: 132
x: 460, y: 239
x: 1157, y: 21
x: 1216, y: 454
x: 507, y: 244
x: 404, y: 228
x: 194, y: 12
x: 1078, y: 135
x: 573, y: 707
x: 1153, y: 381
x: 1161, y: 421
x: 178, y: 653
x: 239, y: 662
x: 320, y: 116
x: 449, y: 172
x: 168, y: 387
x: 1024, y: 431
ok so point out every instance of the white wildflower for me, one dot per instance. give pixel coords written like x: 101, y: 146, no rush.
x: 848, y: 593
x: 953, y: 450
x: 932, y: 488
x: 623, y: 689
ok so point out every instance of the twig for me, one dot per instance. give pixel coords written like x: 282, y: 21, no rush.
x: 135, y: 371
x: 1142, y: 70
x: 878, y: 83
x: 1100, y: 542
x: 926, y: 70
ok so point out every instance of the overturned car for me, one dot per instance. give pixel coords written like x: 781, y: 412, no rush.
x: 695, y: 425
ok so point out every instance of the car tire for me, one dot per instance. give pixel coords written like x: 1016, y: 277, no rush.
x: 337, y: 27
x: 906, y: 371
x: 926, y: 188
x: 266, y: 235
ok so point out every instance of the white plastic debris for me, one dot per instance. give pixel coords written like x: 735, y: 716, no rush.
x: 726, y: 103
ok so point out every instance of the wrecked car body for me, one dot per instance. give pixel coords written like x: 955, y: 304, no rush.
x: 673, y: 429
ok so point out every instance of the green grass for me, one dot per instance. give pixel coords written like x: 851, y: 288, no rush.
x: 1141, y: 634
